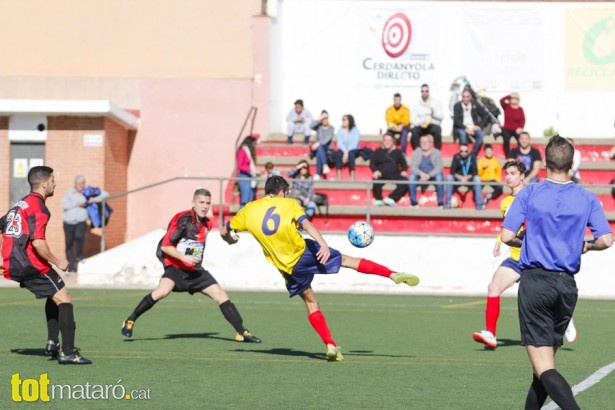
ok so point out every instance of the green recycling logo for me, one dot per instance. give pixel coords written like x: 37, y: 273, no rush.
x: 593, y: 36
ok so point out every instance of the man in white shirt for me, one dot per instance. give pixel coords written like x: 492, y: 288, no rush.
x: 427, y: 116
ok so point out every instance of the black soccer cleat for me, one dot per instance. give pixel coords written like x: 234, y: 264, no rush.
x: 247, y: 337
x: 74, y: 358
x: 52, y: 349
x: 127, y: 327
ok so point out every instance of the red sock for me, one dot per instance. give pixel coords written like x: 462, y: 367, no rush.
x: 317, y: 319
x: 372, y: 268
x: 492, y: 313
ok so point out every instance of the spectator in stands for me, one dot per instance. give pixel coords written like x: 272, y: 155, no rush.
x: 246, y: 168
x: 514, y: 120
x: 469, y: 118
x: 324, y: 136
x: 464, y: 170
x: 426, y: 166
x: 427, y: 115
x: 302, y: 187
x: 389, y: 163
x: 490, y: 170
x: 529, y: 156
x: 271, y: 170
x: 299, y: 120
x: 75, y: 220
x: 348, y: 139
x: 576, y: 163
x: 397, y: 117
x: 493, y: 125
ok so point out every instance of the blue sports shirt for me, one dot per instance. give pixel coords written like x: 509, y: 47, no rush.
x: 556, y: 215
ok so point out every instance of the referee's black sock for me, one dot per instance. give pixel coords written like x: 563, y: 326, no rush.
x: 146, y: 304
x: 231, y: 314
x: 52, y: 313
x: 558, y: 389
x: 536, y: 396
x: 66, y: 323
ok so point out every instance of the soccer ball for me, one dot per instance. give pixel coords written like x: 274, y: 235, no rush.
x: 361, y: 234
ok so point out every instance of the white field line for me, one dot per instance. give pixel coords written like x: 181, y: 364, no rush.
x: 587, y: 383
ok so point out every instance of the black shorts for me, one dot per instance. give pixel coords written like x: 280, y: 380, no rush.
x: 546, y: 303
x: 44, y: 286
x: 191, y: 281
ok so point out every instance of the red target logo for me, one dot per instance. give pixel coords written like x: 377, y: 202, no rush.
x: 396, y: 35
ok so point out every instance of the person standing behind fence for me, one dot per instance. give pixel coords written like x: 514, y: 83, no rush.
x: 324, y: 137
x: 556, y: 213
x: 75, y: 217
x: 246, y: 168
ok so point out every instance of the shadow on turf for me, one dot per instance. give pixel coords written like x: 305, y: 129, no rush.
x: 31, y: 352
x: 285, y: 351
x: 511, y: 342
x: 183, y: 336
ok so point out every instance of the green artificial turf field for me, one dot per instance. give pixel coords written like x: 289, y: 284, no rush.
x: 411, y: 352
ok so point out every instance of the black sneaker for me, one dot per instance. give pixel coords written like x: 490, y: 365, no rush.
x: 52, y: 349
x: 247, y: 337
x: 127, y: 327
x: 74, y: 358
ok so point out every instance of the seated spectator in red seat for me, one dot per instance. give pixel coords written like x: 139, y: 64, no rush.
x: 514, y: 120
x: 348, y: 138
x: 529, y: 156
x: 464, y: 169
x: 490, y: 170
x: 469, y: 118
x: 397, y: 117
x: 427, y: 115
x: 324, y: 137
x: 298, y: 121
x: 425, y: 166
x: 389, y: 163
x: 302, y: 187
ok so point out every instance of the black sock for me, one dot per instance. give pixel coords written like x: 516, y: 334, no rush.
x: 52, y: 313
x: 536, y: 396
x: 558, y: 389
x: 146, y: 304
x: 66, y: 323
x: 231, y: 314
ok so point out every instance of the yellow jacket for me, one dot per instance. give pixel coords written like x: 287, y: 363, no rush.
x: 491, y: 172
x: 398, y: 116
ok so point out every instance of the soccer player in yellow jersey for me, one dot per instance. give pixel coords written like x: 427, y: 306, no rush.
x: 274, y: 221
x: 508, y: 273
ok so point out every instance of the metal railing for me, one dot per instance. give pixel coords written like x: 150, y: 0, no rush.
x: 320, y: 184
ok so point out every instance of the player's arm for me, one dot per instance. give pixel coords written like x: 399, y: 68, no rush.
x: 510, y: 238
x: 599, y: 244
x: 324, y: 252
x: 42, y: 249
x: 228, y: 235
x: 174, y: 253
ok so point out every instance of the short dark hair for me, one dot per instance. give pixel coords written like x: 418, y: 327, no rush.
x: 424, y: 85
x: 514, y: 163
x: 487, y: 146
x: 201, y: 192
x: 397, y: 95
x: 275, y: 185
x: 38, y: 175
x: 299, y: 101
x: 559, y: 154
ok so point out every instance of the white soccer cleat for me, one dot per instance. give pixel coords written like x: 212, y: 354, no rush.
x: 571, y: 332
x: 485, y: 337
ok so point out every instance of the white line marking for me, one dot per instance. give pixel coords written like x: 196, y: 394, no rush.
x: 586, y: 384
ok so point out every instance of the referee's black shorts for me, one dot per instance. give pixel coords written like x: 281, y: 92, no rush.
x: 44, y: 286
x: 191, y: 281
x: 546, y: 303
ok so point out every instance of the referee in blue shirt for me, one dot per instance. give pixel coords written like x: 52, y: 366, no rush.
x: 556, y: 213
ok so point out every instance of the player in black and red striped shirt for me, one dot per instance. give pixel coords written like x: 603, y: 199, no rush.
x: 27, y: 259
x: 181, y: 252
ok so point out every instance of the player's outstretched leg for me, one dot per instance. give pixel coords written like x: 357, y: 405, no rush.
x: 230, y: 313
x: 146, y: 304
x: 372, y: 268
